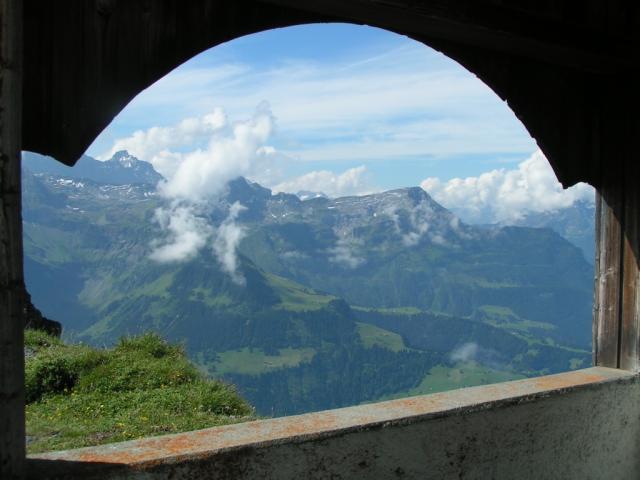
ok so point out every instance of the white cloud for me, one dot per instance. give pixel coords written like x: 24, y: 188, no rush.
x: 343, y: 253
x: 465, y: 352
x: 420, y: 218
x: 507, y: 195
x: 228, y: 236
x: 383, y: 112
x: 394, y: 102
x: 423, y: 221
x: 187, y: 234
x: 188, y: 231
x: 202, y: 174
x: 458, y: 228
x: 198, y: 177
x: 353, y: 181
x: 199, y: 155
x: 293, y: 255
x: 154, y: 144
x: 184, y: 88
x: 473, y: 352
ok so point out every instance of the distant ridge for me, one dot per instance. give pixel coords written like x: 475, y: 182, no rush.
x: 307, y: 195
x: 344, y: 300
x: 576, y: 223
x: 121, y: 169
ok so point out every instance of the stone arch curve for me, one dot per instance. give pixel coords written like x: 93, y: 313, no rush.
x: 104, y: 52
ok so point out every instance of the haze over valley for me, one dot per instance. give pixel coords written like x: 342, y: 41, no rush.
x: 307, y: 304
x: 321, y: 223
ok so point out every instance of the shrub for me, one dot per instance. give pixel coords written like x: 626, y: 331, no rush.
x: 57, y: 369
x: 49, y: 375
x: 140, y: 363
x: 151, y: 344
x: 37, y: 339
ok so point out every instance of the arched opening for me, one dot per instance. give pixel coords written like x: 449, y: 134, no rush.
x: 569, y: 70
x: 439, y: 314
x: 65, y: 135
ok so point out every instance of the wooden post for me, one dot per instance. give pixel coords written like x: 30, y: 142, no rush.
x: 616, y: 321
x: 12, y: 429
x: 630, y: 284
x: 606, y: 315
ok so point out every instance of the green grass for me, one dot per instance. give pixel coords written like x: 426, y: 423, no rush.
x: 376, y: 336
x: 390, y: 311
x: 504, y: 317
x: 255, y: 361
x: 498, y: 311
x: 50, y: 245
x: 79, y: 396
x: 296, y: 297
x: 95, y: 290
x: 469, y: 374
x: 207, y: 297
x: 158, y: 287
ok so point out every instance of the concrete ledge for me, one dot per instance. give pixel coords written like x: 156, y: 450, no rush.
x: 533, y: 425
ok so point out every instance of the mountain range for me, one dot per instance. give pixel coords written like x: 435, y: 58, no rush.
x: 344, y: 300
x: 576, y: 224
x: 121, y: 169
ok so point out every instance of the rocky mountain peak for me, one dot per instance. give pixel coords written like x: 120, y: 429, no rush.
x: 309, y: 195
x: 124, y: 158
x: 121, y: 169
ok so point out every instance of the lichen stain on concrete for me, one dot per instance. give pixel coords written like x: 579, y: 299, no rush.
x: 570, y: 380
x: 207, y: 445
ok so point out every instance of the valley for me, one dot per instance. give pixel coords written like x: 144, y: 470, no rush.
x: 341, y: 301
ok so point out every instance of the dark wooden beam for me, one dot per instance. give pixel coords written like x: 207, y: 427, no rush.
x: 12, y: 428
x: 617, y: 292
x: 495, y: 26
x: 86, y: 59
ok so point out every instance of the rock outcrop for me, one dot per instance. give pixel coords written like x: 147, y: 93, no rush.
x: 35, y: 320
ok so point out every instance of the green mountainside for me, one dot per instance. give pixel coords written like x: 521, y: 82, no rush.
x: 454, y: 269
x: 345, y: 301
x: 575, y: 223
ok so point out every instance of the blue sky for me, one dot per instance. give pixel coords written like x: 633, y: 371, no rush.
x: 343, y: 97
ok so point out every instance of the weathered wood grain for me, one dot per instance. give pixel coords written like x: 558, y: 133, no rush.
x: 630, y: 307
x: 548, y: 60
x: 12, y: 430
x: 617, y: 288
x: 506, y: 27
x: 606, y: 321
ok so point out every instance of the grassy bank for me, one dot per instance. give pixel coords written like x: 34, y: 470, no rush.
x: 79, y: 396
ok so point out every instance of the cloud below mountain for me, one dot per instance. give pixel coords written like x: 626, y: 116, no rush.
x: 465, y: 352
x: 343, y: 253
x: 195, y: 179
x: 195, y: 182
x: 504, y: 195
x: 473, y: 352
x: 186, y: 234
x: 227, y: 240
